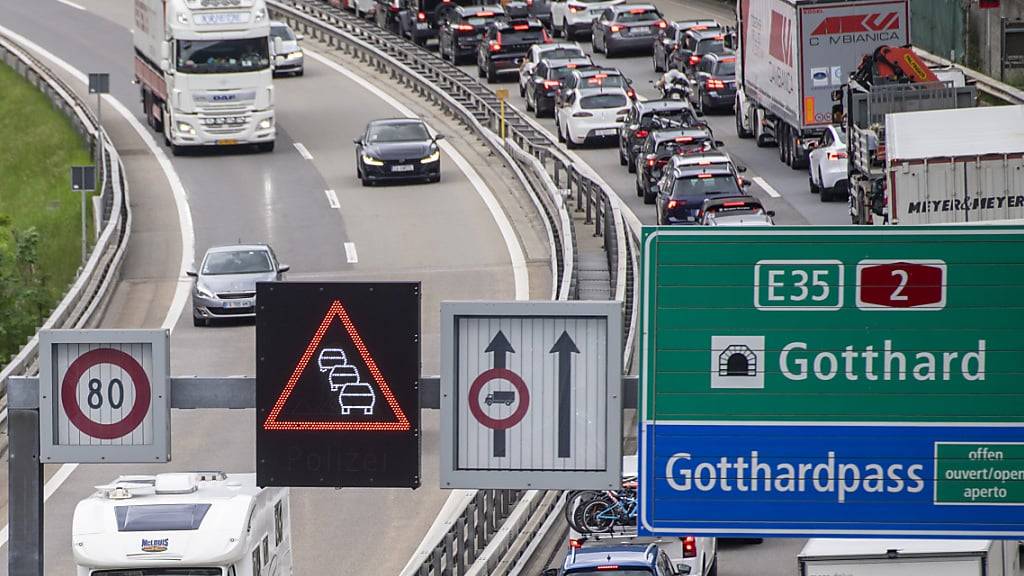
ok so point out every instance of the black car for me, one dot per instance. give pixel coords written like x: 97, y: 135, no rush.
x: 462, y: 30
x: 682, y: 193
x: 623, y: 27
x: 715, y: 82
x: 696, y: 43
x: 660, y: 147
x: 648, y: 115
x: 547, y: 81
x: 397, y: 149
x: 418, y: 19
x: 671, y: 37
x: 538, y: 9
x: 505, y: 44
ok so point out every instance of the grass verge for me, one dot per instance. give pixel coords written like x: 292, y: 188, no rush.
x: 40, y: 218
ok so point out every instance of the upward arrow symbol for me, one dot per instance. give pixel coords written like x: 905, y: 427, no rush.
x: 500, y: 346
x: 565, y: 348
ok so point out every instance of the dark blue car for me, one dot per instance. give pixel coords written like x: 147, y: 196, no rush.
x: 616, y: 560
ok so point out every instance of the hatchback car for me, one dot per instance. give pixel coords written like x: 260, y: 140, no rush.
x: 828, y: 165
x: 648, y: 115
x: 627, y: 27
x: 613, y: 559
x: 691, y: 180
x: 538, y: 52
x: 225, y: 282
x: 660, y: 147
x: 547, y: 82
x: 570, y: 18
x: 288, y: 57
x: 697, y: 42
x: 592, y: 114
x: 735, y: 211
x: 671, y: 38
x: 460, y: 33
x: 397, y: 149
x: 505, y: 44
x: 715, y: 82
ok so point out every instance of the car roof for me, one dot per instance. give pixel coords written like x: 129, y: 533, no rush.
x: 506, y: 24
x: 706, y: 34
x: 542, y: 48
x: 394, y: 121
x: 237, y: 248
x: 619, y: 8
x: 622, y: 555
x: 600, y: 70
x: 562, y: 62
x: 703, y: 159
x: 585, y: 91
x: 649, y: 105
x: 690, y: 23
x: 660, y: 136
x: 470, y: 10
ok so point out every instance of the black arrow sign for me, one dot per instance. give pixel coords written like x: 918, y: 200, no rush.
x: 564, y: 347
x: 501, y: 347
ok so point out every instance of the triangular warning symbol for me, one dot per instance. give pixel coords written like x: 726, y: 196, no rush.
x: 400, y: 421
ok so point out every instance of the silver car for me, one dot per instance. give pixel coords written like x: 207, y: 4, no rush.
x: 288, y: 58
x: 225, y: 285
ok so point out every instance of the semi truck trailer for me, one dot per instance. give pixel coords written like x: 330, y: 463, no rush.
x: 204, y: 71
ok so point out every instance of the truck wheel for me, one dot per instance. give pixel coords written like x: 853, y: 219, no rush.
x: 649, y: 197
x: 740, y: 130
x: 657, y: 65
x: 782, y: 135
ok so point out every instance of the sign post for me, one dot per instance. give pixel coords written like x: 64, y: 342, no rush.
x: 531, y: 395
x: 83, y: 181
x: 502, y: 94
x: 337, y: 384
x: 842, y: 381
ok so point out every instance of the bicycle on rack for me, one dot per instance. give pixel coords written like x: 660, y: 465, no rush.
x: 596, y: 511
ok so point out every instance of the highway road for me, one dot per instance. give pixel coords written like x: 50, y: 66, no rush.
x: 443, y: 235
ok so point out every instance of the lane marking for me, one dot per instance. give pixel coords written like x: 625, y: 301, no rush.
x: 73, y: 5
x: 520, y: 272
x: 184, y: 283
x: 766, y: 187
x: 303, y: 151
x: 350, y: 253
x: 332, y: 199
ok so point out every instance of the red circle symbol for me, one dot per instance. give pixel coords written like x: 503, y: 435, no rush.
x: 69, y: 399
x: 521, y: 407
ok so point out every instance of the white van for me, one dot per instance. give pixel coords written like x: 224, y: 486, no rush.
x: 212, y: 523
x: 870, y: 557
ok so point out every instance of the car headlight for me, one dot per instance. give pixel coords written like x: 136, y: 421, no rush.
x: 295, y: 55
x: 266, y: 123
x: 185, y: 128
x: 367, y: 159
x: 204, y: 292
x: 434, y: 157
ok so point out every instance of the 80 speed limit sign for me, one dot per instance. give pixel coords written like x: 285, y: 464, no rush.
x: 103, y: 396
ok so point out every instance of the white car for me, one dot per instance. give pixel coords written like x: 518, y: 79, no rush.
x: 736, y: 211
x: 591, y: 114
x: 290, y: 59
x: 827, y: 166
x: 571, y: 17
x: 538, y: 52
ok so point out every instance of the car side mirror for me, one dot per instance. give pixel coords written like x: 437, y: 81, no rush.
x: 357, y: 141
x: 438, y: 137
x: 812, y: 145
x: 770, y: 213
x: 283, y: 268
x: 719, y: 143
x: 191, y: 272
x: 744, y: 182
x: 741, y: 169
x: 299, y: 37
x: 682, y: 569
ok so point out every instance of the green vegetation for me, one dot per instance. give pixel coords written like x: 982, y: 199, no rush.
x: 40, y: 230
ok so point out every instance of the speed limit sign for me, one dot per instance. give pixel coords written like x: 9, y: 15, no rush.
x: 103, y: 396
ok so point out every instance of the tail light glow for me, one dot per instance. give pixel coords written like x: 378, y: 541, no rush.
x: 683, y: 139
x: 662, y: 24
x: 575, y: 9
x: 638, y: 11
x: 704, y: 176
x: 689, y: 546
x: 616, y: 28
x: 837, y: 155
x: 575, y: 543
x: 672, y: 205
x: 421, y: 16
x: 520, y: 27
x: 552, y: 84
x: 464, y: 27
x: 641, y: 133
x: 694, y: 60
x: 714, y: 84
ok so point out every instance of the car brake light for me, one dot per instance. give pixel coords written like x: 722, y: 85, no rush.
x: 464, y: 27
x: 529, y: 2
x: 545, y: 37
x: 637, y: 11
x: 631, y: 93
x: 689, y: 547
x: 599, y: 76
x: 485, y: 14
x: 704, y: 176
x: 574, y: 9
x: 684, y: 139
x: 729, y: 59
x: 421, y: 16
x: 734, y: 204
x: 672, y: 205
x: 699, y: 27
x: 694, y: 60
x: 719, y: 37
x: 641, y: 133
x: 495, y: 46
x: 608, y: 567
x: 662, y: 24
x: 616, y: 28
x: 650, y: 162
x: 704, y: 163
x: 713, y: 84
x: 837, y: 155
x: 520, y: 27
x: 552, y: 83
x: 582, y: 115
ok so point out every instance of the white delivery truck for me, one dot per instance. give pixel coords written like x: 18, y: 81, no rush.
x: 868, y: 557
x: 204, y: 69
x: 199, y: 523
x: 955, y: 166
x: 793, y: 54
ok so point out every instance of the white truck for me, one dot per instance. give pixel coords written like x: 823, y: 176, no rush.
x: 793, y: 54
x: 196, y: 523
x: 955, y: 166
x: 868, y: 557
x: 204, y: 69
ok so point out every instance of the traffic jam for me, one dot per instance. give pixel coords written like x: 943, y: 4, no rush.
x: 689, y: 118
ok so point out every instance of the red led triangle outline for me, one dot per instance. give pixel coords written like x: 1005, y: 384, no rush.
x: 401, y: 424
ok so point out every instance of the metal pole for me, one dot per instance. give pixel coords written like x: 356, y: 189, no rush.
x: 85, y: 250
x: 25, y: 482
x: 503, y: 119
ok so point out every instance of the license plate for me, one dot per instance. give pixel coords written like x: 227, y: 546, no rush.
x: 227, y: 142
x: 402, y: 168
x: 606, y: 132
x: 238, y: 303
x: 640, y: 30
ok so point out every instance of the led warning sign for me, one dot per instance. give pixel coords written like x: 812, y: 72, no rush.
x: 337, y: 384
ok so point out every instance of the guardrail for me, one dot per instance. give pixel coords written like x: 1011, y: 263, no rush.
x: 90, y: 292
x: 984, y: 83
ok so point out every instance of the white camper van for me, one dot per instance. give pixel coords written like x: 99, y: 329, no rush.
x: 211, y: 523
x: 869, y: 557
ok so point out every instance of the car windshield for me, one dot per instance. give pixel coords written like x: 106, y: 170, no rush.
x: 561, y: 53
x: 842, y: 136
x: 528, y: 36
x: 282, y: 32
x: 220, y: 56
x: 667, y: 118
x: 710, y: 46
x: 603, y: 101
x: 726, y: 68
x: 237, y: 262
x: 409, y: 132
x: 480, y: 18
x: 638, y: 15
x: 160, y: 572
x: 690, y: 147
x: 705, y: 185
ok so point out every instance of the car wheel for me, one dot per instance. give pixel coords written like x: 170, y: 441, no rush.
x: 492, y: 73
x: 480, y: 73
x: 824, y: 194
x: 435, y: 178
x: 814, y: 187
x: 608, y: 50
x: 567, y: 31
x: 622, y: 158
x: 569, y: 143
x: 529, y: 104
x: 522, y: 90
x: 700, y: 102
x: 630, y: 165
x: 649, y: 197
x: 558, y: 132
x: 197, y: 321
x: 177, y: 150
x: 657, y: 66
x: 713, y: 570
x: 639, y: 190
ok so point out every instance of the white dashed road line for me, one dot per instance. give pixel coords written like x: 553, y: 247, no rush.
x: 350, y: 253
x: 72, y: 4
x: 332, y: 199
x: 766, y: 187
x: 302, y: 151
